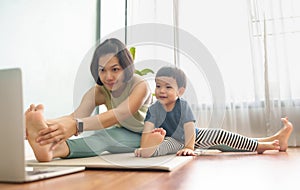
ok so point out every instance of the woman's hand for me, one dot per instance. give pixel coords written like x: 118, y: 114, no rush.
x: 57, y: 132
x: 186, y: 152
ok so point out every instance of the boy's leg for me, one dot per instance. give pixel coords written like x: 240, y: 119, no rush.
x: 168, y: 146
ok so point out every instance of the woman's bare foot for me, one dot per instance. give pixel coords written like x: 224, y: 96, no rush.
x: 284, y: 134
x: 34, y: 123
x: 263, y: 146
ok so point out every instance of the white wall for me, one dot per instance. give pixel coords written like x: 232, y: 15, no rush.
x: 49, y: 40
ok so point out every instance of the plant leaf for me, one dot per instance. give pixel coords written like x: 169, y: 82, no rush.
x: 138, y: 72
x: 146, y: 71
x: 132, y: 51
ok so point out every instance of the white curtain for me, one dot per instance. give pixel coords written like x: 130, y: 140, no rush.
x: 254, y: 45
x: 275, y: 37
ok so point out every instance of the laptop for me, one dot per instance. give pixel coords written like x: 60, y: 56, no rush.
x: 13, y: 166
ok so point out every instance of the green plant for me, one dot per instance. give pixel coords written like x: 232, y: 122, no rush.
x: 143, y: 71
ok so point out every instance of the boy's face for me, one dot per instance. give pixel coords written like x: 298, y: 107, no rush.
x: 167, y: 91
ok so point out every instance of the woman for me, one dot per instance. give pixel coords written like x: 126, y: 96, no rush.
x: 117, y: 130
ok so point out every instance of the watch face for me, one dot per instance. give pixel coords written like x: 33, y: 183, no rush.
x: 80, y: 126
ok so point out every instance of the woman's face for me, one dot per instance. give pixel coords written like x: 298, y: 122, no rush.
x: 110, y: 72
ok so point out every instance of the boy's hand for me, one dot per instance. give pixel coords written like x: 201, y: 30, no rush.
x: 186, y: 152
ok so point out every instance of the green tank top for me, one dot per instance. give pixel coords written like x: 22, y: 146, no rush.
x: 135, y: 122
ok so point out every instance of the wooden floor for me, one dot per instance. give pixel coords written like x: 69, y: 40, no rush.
x: 271, y: 170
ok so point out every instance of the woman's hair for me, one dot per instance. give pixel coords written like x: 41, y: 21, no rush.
x: 175, y: 73
x: 116, y: 47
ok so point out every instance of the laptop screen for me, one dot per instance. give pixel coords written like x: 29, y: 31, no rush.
x: 12, y: 159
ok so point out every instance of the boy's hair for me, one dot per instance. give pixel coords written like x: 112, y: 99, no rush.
x: 175, y: 73
x: 116, y: 47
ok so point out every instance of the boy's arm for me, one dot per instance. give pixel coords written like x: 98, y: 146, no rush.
x: 190, y: 136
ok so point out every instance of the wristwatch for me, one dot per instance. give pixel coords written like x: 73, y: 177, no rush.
x: 79, y: 126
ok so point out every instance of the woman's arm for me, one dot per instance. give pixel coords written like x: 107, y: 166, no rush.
x: 62, y: 128
x: 65, y: 127
x: 127, y: 108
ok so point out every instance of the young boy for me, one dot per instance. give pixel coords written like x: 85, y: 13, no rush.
x: 170, y: 125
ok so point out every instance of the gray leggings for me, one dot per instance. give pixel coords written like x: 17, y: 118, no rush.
x: 211, y: 138
x: 113, y: 139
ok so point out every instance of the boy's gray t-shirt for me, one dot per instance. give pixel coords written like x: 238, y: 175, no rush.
x: 172, y: 121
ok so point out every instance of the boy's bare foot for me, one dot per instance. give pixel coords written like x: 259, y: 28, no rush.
x: 155, y: 138
x: 34, y: 123
x: 263, y: 146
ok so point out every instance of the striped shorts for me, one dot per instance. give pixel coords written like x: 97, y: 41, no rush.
x: 207, y: 138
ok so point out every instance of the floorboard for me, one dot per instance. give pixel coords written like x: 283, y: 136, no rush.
x: 269, y: 171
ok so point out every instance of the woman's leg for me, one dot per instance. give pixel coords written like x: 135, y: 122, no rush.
x: 222, y: 139
x: 122, y: 140
x: 227, y: 141
x: 207, y: 138
x: 113, y: 139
